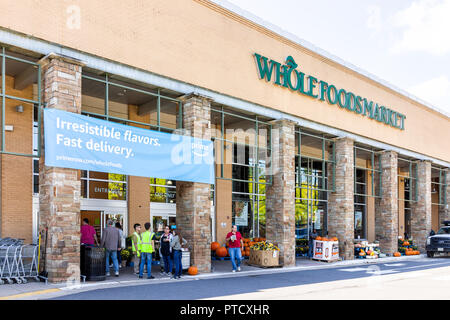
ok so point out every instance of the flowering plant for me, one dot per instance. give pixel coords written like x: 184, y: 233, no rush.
x: 125, y: 254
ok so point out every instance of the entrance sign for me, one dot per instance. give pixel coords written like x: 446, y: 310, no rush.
x: 80, y: 142
x: 288, y: 76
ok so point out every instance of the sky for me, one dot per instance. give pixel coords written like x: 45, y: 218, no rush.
x: 404, y: 42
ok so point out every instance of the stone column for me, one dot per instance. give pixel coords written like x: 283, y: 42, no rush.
x: 421, y: 209
x: 280, y: 196
x: 386, y: 210
x: 341, y: 218
x: 59, y: 188
x: 193, y: 198
x: 444, y: 210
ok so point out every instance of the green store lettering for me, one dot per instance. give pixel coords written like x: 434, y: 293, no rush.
x: 288, y: 76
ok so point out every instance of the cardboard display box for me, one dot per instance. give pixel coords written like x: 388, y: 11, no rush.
x: 264, y: 258
x: 326, y: 250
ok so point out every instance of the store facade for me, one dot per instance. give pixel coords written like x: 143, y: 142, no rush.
x: 302, y: 140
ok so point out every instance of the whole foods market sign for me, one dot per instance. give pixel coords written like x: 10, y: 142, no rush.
x: 287, y: 75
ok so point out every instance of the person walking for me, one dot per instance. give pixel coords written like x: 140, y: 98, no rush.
x: 312, y: 236
x: 148, y: 243
x: 136, y: 242
x: 119, y: 256
x: 176, y: 244
x: 235, y: 244
x: 88, y: 233
x: 111, y: 242
x: 166, y: 250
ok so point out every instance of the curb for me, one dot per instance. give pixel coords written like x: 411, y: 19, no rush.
x: 82, y: 287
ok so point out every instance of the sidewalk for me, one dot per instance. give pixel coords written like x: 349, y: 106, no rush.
x: 220, y: 269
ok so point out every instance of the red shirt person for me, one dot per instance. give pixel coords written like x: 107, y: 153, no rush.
x: 235, y: 244
x: 88, y: 234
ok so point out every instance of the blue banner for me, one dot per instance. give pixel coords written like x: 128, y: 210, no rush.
x: 80, y: 142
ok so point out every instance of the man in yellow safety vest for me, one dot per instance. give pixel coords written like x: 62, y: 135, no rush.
x: 136, y: 242
x: 147, y: 246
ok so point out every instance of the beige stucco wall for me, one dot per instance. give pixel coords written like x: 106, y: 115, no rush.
x: 197, y: 42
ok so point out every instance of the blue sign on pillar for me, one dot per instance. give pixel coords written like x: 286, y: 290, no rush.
x: 80, y: 142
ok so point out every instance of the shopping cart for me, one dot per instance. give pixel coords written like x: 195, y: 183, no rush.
x: 17, y: 261
x: 28, y: 263
x: 9, y: 255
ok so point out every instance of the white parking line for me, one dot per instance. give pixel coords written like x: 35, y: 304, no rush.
x: 369, y: 270
x: 427, y: 265
x: 353, y: 269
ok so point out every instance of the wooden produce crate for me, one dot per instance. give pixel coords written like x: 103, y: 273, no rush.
x: 264, y: 258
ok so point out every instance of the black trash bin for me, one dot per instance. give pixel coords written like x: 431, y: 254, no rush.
x: 92, y: 263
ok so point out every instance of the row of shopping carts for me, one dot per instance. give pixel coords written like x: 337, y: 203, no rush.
x: 18, y: 261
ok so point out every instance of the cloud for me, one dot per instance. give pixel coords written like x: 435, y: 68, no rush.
x: 426, y: 27
x: 435, y: 91
x: 374, y: 18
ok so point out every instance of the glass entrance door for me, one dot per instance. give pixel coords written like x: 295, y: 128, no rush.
x: 115, y: 217
x: 158, y: 223
x: 95, y: 220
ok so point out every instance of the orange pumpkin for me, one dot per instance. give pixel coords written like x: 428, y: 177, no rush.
x: 335, y: 239
x: 319, y: 238
x: 221, y: 252
x: 192, y: 270
x: 406, y: 243
x: 397, y: 254
x: 214, y: 246
x: 262, y: 239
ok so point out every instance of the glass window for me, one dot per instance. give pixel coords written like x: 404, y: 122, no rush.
x: 243, y: 155
x: 130, y: 103
x: 360, y: 221
x: 93, y: 93
x: 438, y: 186
x: 163, y: 190
x: 360, y: 203
x: 313, y: 161
x: 101, y: 185
x: 21, y: 96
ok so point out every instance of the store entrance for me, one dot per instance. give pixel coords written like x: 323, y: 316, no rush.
x: 159, y: 222
x: 99, y: 218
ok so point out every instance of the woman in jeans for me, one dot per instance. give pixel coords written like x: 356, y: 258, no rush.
x: 166, y: 250
x: 176, y: 243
